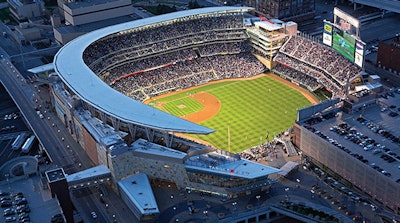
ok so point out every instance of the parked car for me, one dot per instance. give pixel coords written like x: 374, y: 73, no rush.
x: 8, y: 213
x: 4, y: 193
x: 5, y: 198
x: 11, y: 219
x: 94, y: 215
x: 24, y: 210
x: 22, y: 201
x: 6, y: 203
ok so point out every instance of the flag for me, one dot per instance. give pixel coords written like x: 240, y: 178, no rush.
x: 265, y: 19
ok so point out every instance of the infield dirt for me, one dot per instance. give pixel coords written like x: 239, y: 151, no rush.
x: 212, y: 105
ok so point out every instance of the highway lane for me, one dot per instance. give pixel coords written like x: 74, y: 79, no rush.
x: 23, y: 96
x: 88, y: 200
x: 58, y: 143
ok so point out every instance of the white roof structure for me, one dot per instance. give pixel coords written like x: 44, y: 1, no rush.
x: 138, y: 190
x: 88, y: 174
x: 211, y: 162
x: 146, y: 147
x: 42, y: 68
x: 268, y: 26
x: 289, y: 166
x: 368, y: 86
x: 226, y: 166
x: 69, y: 65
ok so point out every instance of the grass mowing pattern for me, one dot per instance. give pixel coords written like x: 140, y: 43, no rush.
x: 251, y: 109
x: 190, y: 106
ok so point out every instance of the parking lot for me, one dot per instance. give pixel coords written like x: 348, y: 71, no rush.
x: 20, y: 200
x: 370, y: 135
x: 25, y: 201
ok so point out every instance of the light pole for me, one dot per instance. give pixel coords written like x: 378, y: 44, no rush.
x: 287, y: 193
x: 205, y: 213
x: 8, y: 181
x: 234, y: 205
x: 258, y: 199
x: 114, y: 218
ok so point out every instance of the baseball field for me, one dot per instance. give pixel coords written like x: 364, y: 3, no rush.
x: 243, y: 113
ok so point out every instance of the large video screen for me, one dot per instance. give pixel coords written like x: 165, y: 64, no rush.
x: 343, y: 43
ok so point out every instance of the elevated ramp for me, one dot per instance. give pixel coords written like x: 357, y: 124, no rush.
x: 389, y: 5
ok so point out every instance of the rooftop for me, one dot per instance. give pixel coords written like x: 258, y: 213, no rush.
x: 268, y: 26
x: 98, y: 129
x: 55, y: 175
x: 89, y: 27
x: 138, y: 190
x: 146, y: 147
x: 94, y: 172
x: 227, y: 165
x: 86, y: 3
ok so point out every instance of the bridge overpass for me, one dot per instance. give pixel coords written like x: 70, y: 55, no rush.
x: 389, y: 5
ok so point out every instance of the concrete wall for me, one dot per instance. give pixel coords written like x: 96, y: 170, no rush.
x: 90, y: 146
x: 21, y: 11
x: 378, y: 186
x: 87, y: 14
x: 63, y: 38
x: 129, y: 163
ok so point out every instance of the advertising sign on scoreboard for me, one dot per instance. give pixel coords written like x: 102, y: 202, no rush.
x: 327, y: 34
x: 358, y: 59
x: 360, y: 47
x: 359, y: 55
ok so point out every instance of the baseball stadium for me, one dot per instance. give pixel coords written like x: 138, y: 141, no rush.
x: 190, y: 90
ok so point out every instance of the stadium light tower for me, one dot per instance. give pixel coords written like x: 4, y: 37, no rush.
x: 347, y: 85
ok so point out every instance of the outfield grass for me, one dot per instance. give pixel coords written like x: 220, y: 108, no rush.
x: 251, y: 110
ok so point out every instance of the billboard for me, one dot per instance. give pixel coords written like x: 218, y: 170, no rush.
x: 344, y: 43
x: 327, y: 34
x: 346, y: 22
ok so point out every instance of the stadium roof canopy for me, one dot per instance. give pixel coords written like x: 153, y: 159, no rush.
x: 69, y: 65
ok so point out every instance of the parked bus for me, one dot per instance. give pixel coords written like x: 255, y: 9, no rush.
x: 16, y: 145
x: 28, y: 144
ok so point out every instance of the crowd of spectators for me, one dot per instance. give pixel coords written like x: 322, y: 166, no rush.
x: 319, y: 62
x: 224, y: 48
x: 297, y: 76
x: 321, y: 57
x: 160, y: 78
x: 291, y: 63
x: 260, y: 152
x: 145, y: 62
x: 162, y: 37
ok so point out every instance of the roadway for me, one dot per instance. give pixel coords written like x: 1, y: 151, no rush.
x: 61, y: 148
x: 24, y: 98
x: 56, y: 140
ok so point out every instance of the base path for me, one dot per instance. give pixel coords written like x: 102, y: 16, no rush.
x: 211, y: 107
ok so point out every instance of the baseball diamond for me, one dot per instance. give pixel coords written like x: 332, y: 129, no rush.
x: 244, y: 113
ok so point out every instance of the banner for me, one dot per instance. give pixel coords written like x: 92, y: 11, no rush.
x: 327, y: 34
